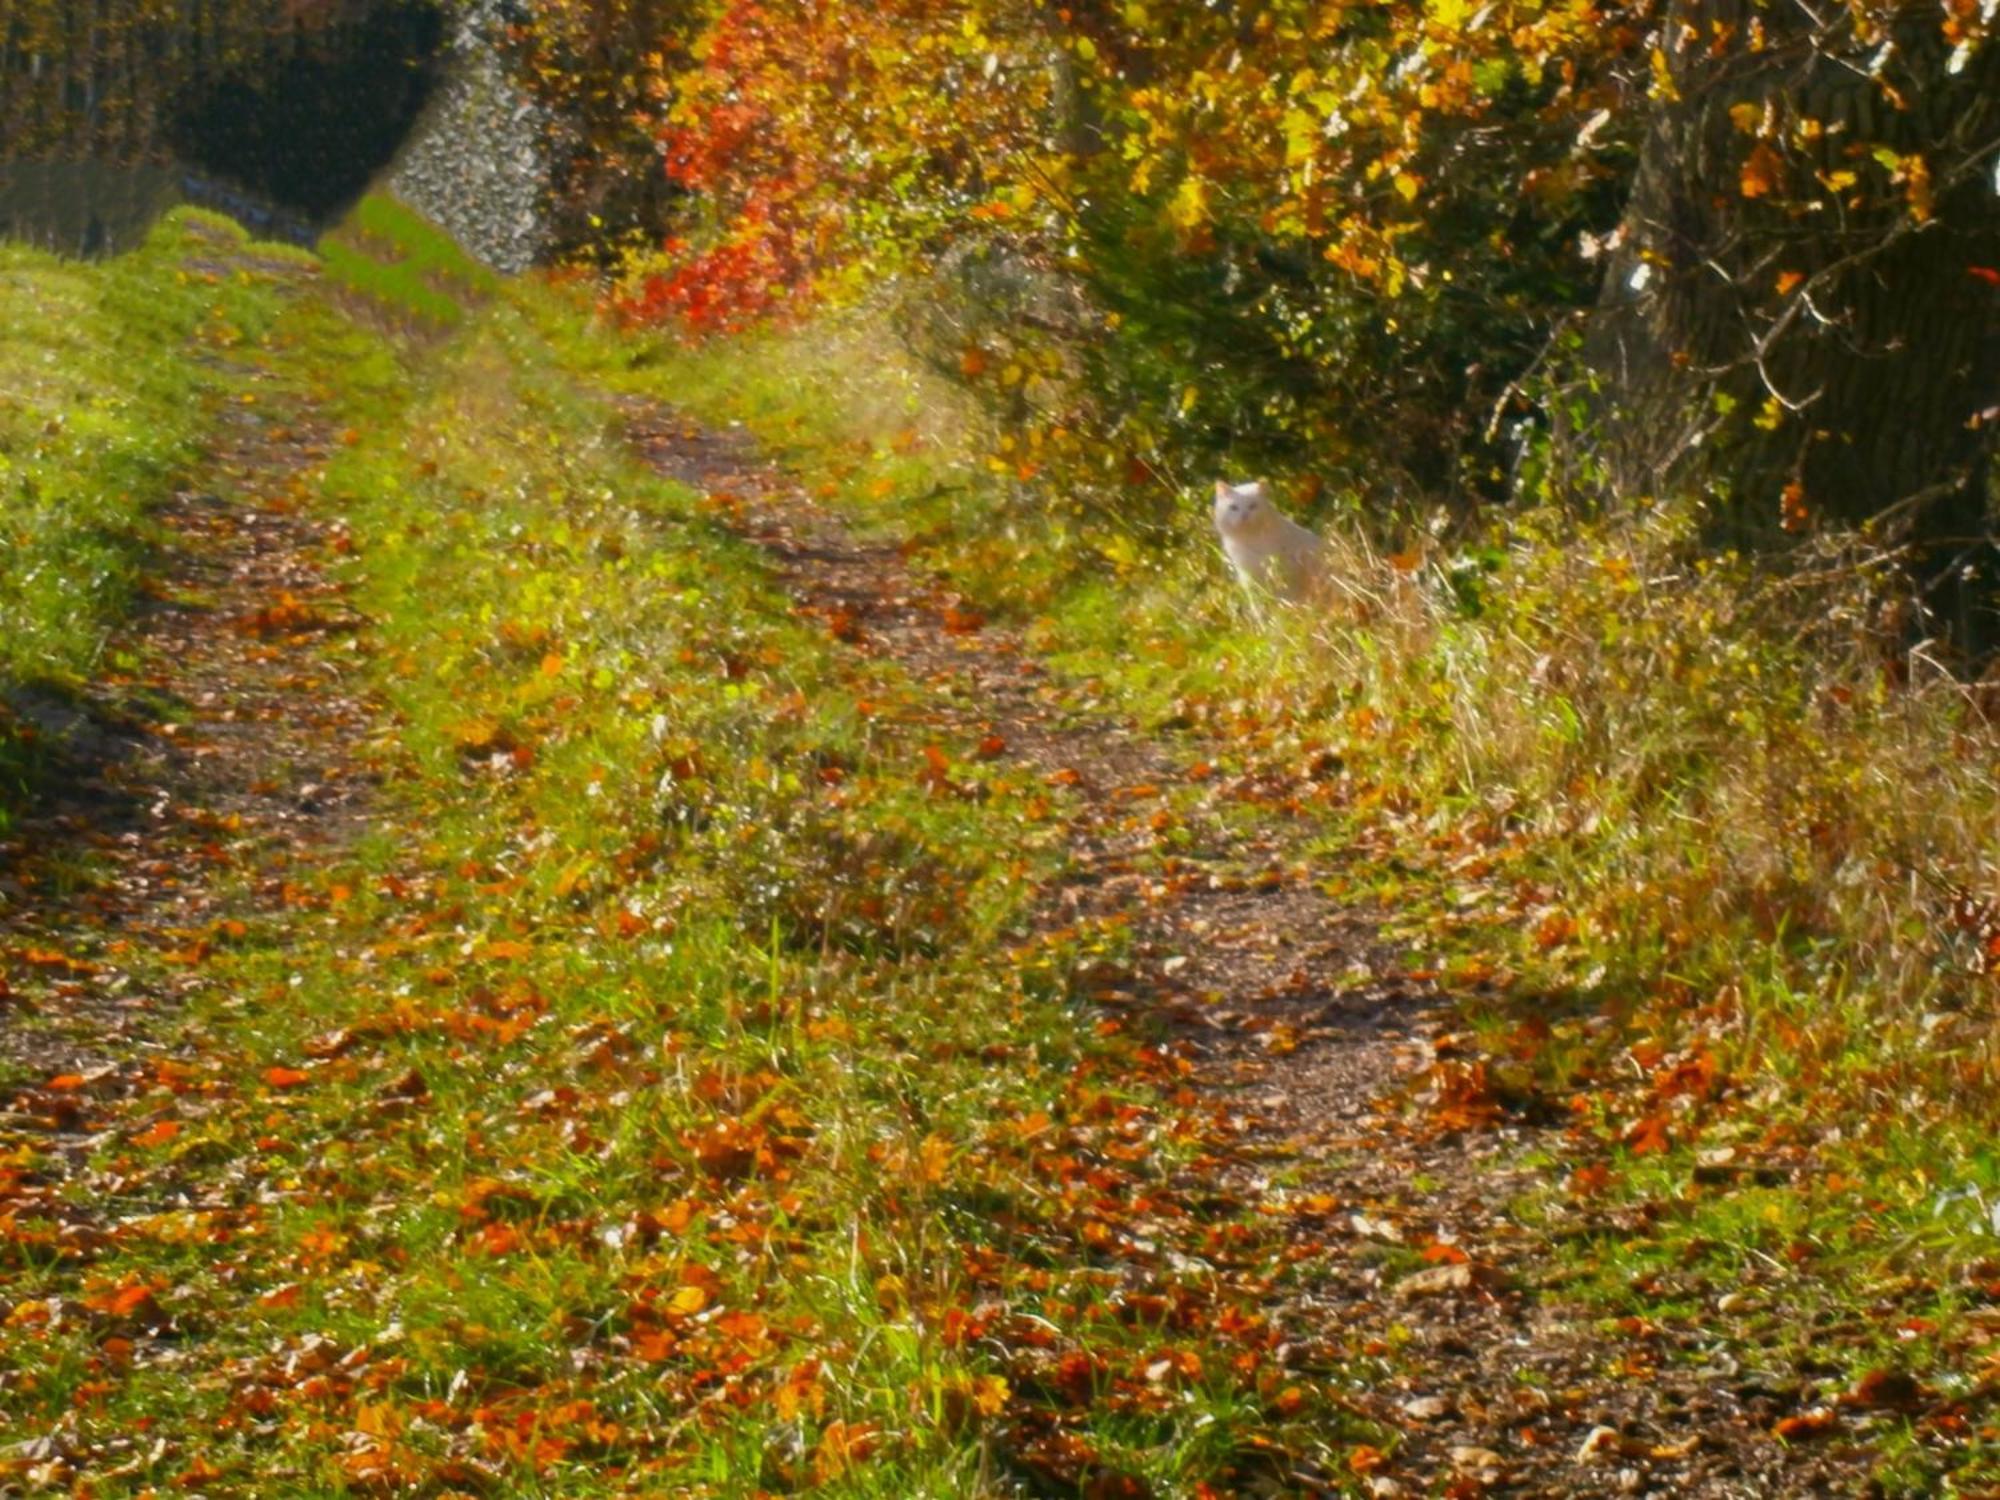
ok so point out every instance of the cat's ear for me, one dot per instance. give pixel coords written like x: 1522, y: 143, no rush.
x: 1221, y: 489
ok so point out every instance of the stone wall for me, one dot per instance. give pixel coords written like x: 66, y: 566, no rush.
x: 475, y: 163
x: 285, y: 143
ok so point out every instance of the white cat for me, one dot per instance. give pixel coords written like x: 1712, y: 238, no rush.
x: 1271, y: 553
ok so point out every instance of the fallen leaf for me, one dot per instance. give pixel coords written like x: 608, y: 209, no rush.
x: 1602, y: 1445
x: 1817, y: 1422
x: 1439, y: 1281
x: 1894, y: 1390
x: 962, y: 621
x: 158, y: 1133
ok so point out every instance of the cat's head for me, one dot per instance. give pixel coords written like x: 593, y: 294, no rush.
x: 1238, y: 506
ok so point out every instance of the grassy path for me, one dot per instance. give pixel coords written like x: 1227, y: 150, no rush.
x: 1298, y: 1035
x: 548, y: 961
x: 218, y: 743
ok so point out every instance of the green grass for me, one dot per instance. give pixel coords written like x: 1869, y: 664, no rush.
x: 106, y: 390
x: 387, y: 255
x: 654, y: 1113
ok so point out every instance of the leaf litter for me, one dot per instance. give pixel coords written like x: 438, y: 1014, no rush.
x: 1367, y: 1153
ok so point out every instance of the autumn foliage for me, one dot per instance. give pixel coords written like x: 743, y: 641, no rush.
x: 1296, y: 221
x: 1395, y: 244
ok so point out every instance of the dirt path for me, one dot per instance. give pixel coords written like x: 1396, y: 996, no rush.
x: 191, y: 776
x: 1304, y: 1038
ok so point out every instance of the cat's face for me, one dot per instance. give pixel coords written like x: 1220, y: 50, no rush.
x: 1238, y: 506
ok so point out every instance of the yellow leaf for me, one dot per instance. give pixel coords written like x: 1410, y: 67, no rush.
x: 989, y: 1394
x: 1189, y: 209
x: 1663, y: 78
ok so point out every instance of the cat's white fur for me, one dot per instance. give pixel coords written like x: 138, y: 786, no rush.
x: 1272, y: 554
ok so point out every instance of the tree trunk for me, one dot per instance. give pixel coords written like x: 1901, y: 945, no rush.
x: 1796, y: 326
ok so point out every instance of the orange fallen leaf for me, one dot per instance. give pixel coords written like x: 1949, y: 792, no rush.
x: 121, y: 1301
x: 1895, y: 1390
x: 1366, y: 1459
x: 158, y: 1133
x: 842, y: 1445
x: 201, y: 1472
x: 286, y: 1078
x: 1647, y: 1137
x: 1589, y: 1180
x: 1817, y: 1422
x: 959, y: 620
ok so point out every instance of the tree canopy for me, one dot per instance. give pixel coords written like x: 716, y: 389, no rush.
x: 1397, y: 244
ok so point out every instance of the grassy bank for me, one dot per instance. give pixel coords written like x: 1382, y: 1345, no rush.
x: 107, y: 385
x: 1656, y: 821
